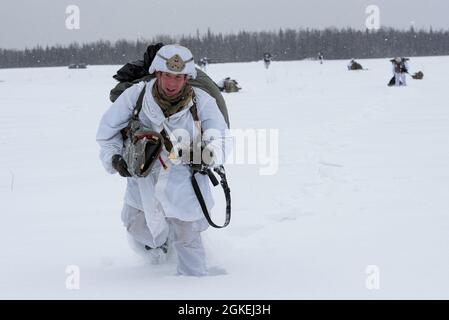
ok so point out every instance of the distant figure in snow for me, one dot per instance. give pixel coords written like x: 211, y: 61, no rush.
x: 400, y: 68
x: 77, y: 66
x: 320, y: 57
x: 228, y: 85
x: 354, y: 65
x: 202, y: 63
x: 418, y: 75
x: 267, y: 59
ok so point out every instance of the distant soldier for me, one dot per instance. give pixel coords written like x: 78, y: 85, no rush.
x: 354, y: 65
x: 320, y: 57
x: 400, y: 68
x: 228, y: 85
x: 267, y: 59
x: 202, y: 63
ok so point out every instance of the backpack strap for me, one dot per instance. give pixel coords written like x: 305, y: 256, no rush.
x: 193, y: 108
x: 167, y: 143
x: 139, y: 102
x: 194, y: 113
x: 135, y: 115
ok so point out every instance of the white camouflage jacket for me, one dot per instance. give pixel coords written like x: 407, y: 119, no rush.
x: 164, y: 193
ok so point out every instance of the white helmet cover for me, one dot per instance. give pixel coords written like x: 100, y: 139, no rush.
x: 174, y: 59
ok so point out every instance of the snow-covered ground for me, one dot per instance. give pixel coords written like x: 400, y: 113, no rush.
x: 360, y: 198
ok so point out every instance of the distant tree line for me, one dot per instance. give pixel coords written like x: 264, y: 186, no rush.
x: 245, y: 46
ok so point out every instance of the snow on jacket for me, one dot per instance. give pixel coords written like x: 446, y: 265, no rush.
x: 164, y: 193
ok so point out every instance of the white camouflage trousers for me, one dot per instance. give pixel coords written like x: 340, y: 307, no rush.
x: 186, y: 236
x: 400, y: 79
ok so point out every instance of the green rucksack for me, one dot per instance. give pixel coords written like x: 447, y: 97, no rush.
x: 231, y: 86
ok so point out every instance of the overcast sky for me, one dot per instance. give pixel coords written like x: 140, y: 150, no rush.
x: 26, y: 23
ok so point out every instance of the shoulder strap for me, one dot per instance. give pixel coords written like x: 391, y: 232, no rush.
x: 139, y: 102
x: 193, y: 108
x: 194, y: 112
x: 135, y: 115
x: 167, y: 143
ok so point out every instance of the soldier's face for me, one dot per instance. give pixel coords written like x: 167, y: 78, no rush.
x: 170, y: 83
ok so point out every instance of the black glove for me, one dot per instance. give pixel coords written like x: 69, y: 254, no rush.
x: 119, y: 164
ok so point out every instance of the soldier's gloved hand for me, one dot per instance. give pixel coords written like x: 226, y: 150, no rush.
x: 119, y: 164
x: 203, y: 160
x: 208, y: 156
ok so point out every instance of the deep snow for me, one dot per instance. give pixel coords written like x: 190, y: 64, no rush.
x: 363, y: 180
